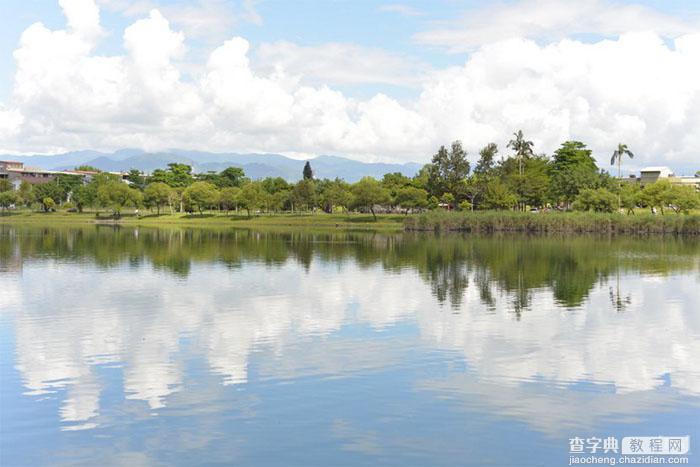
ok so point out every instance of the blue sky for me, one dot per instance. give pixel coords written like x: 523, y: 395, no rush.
x: 390, y: 65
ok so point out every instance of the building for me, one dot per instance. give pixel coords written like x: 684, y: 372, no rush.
x: 17, y: 173
x: 653, y: 174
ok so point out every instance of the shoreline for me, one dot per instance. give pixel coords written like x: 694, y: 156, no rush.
x: 481, y: 222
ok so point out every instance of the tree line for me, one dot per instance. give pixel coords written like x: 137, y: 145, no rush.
x: 522, y: 179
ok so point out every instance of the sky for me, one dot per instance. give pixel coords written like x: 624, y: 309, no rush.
x: 370, y: 80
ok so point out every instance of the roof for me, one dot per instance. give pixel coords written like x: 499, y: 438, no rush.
x: 656, y: 169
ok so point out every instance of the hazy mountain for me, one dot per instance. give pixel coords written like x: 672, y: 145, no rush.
x: 255, y: 165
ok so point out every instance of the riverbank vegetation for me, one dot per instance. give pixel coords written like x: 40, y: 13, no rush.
x: 550, y: 222
x: 522, y: 181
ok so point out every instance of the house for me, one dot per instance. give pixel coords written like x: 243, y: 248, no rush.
x: 17, y: 173
x: 653, y: 174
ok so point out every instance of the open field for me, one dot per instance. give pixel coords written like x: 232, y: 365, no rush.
x: 322, y: 221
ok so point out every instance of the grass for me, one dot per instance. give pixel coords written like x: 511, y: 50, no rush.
x: 566, y: 222
x: 306, y: 221
x: 435, y: 221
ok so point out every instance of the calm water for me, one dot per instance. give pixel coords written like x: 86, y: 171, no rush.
x: 144, y: 347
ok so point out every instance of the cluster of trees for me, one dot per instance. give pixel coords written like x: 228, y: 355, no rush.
x: 569, y: 179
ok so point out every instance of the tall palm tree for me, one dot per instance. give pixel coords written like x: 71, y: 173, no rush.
x: 621, y: 151
x: 522, y: 148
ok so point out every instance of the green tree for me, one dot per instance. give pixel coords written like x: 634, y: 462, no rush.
x: 117, y: 195
x: 87, y: 168
x: 595, y: 199
x: 5, y: 185
x: 447, y: 170
x: 26, y: 193
x: 83, y: 196
x: 136, y: 178
x: 336, y: 193
x: 368, y: 193
x: 487, y: 159
x: 232, y: 176
x: 629, y: 196
x: 683, y: 198
x: 48, y: 204
x: 522, y: 148
x: 498, y: 196
x: 617, y: 155
x: 201, y: 195
x: 304, y: 193
x: 51, y: 190
x: 157, y: 194
x: 176, y: 175
x: 308, y: 173
x: 251, y: 197
x: 411, y: 198
x: 229, y: 197
x: 657, y: 194
x: 8, y: 198
x: 572, y: 170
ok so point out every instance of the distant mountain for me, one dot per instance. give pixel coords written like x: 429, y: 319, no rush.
x: 256, y: 166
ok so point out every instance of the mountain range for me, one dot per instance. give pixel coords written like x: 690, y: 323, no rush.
x: 256, y: 166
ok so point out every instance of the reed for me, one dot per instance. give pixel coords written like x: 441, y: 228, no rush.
x: 567, y: 222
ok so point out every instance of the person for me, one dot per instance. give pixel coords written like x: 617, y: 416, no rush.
x: 653, y: 210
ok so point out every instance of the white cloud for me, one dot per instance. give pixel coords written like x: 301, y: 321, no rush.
x: 340, y: 64
x: 549, y: 20
x: 401, y: 9
x: 635, y: 88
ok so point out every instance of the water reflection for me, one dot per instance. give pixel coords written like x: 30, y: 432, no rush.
x: 545, y: 327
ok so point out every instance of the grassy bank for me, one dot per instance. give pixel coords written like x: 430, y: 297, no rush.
x: 566, y: 222
x: 435, y: 221
x: 318, y: 221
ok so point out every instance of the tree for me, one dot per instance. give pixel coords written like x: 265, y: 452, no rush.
x: 522, y: 148
x: 621, y: 151
x: 336, y: 193
x: 48, y: 204
x: 304, y: 193
x: 308, y: 173
x: 599, y: 200
x: 26, y: 193
x: 49, y: 190
x: 368, y: 192
x: 410, y: 198
x: 8, y: 198
x: 136, y: 178
x: 84, y: 195
x: 498, y: 196
x: 117, y: 195
x: 87, y: 168
x: 656, y: 194
x: 232, y: 176
x: 229, y: 197
x: 572, y: 170
x: 487, y: 157
x: 201, y: 195
x: 251, y: 196
x: 176, y: 175
x: 156, y: 195
x: 5, y: 185
x: 629, y: 196
x: 683, y: 198
x: 448, y: 199
x: 447, y: 170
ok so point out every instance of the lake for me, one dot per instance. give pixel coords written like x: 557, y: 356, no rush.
x: 125, y: 346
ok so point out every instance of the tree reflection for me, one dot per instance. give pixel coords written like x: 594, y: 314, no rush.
x: 500, y: 264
